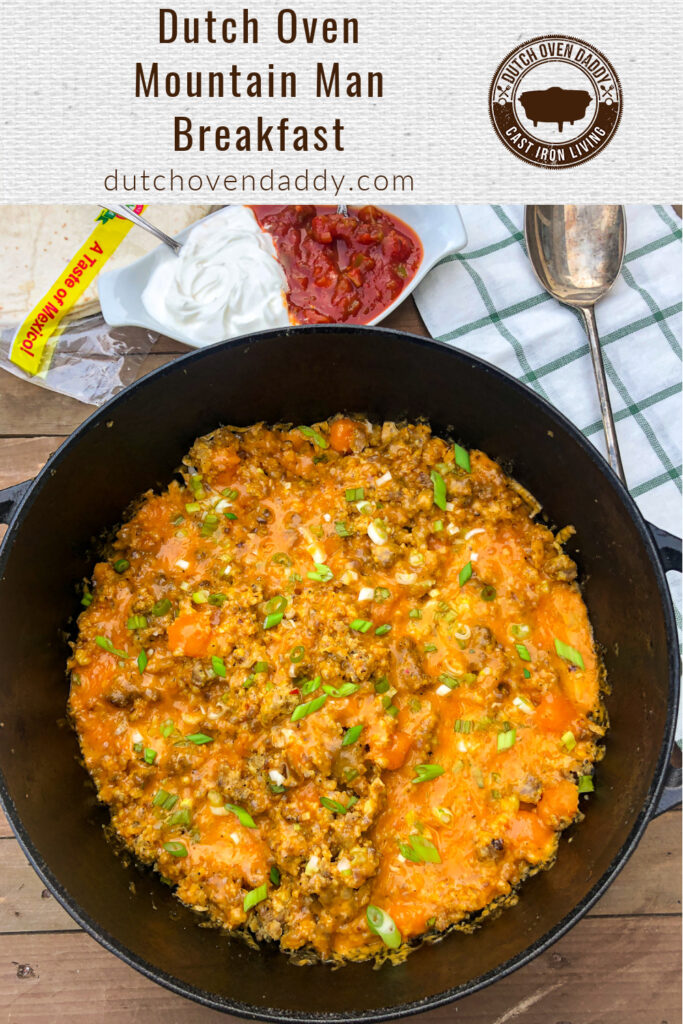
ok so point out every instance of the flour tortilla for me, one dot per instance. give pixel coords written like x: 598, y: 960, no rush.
x: 37, y: 242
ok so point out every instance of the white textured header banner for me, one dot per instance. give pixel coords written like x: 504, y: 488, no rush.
x: 361, y: 101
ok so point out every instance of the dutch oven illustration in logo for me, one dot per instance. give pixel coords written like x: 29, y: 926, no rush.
x: 555, y: 101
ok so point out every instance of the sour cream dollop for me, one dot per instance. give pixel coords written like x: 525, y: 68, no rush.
x: 225, y: 282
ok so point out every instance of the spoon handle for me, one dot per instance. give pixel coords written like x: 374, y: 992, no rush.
x: 613, y: 456
x: 123, y: 211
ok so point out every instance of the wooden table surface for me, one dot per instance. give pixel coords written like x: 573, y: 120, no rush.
x: 620, y: 965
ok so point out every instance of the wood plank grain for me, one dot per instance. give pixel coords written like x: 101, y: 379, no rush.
x: 599, y: 972
x: 649, y: 884
x: 22, y: 457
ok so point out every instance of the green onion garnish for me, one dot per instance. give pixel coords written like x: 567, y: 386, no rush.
x: 586, y: 784
x: 382, y: 685
x: 276, y: 604
x: 192, y: 506
x: 414, y: 613
x: 165, y: 800
x: 303, y: 710
x: 196, y: 485
x: 437, y: 525
x: 230, y: 515
x: 351, y: 735
x: 355, y: 494
x: 463, y: 725
x: 569, y: 653
x: 506, y: 739
x: 272, y: 620
x: 487, y: 593
x: 568, y: 740
x: 142, y: 661
x: 523, y: 652
x: 381, y: 594
x: 162, y: 607
x: 260, y: 666
x: 199, y: 738
x: 105, y: 643
x: 322, y: 574
x: 181, y: 817
x: 297, y: 654
x: 527, y: 673
x: 121, y: 564
x: 341, y: 530
x: 176, y: 849
x: 335, y: 806
x: 217, y: 599
x: 229, y: 493
x: 519, y: 630
x: 313, y: 435
x: 462, y: 458
x: 87, y: 599
x: 149, y: 755
x: 280, y: 558
x: 382, y: 925
x: 167, y: 728
x: 309, y: 686
x: 420, y: 850
x: 464, y: 574
x: 245, y: 817
x: 275, y: 875
x: 345, y: 690
x: 429, y: 648
x: 439, y: 490
x: 450, y: 681
x: 360, y: 625
x: 426, y: 772
x: 257, y: 895
x: 218, y: 665
x: 383, y: 630
x: 136, y: 622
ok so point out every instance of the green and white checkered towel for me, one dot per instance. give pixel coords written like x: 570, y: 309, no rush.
x: 487, y: 301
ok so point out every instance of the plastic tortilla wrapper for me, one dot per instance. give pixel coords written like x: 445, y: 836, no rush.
x: 87, y: 359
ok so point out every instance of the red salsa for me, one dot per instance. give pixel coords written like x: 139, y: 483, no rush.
x: 341, y: 269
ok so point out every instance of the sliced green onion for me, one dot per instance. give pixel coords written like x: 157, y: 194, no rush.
x: 450, y: 681
x: 519, y: 630
x: 303, y: 710
x: 181, y: 817
x: 254, y: 896
x: 162, y: 607
x: 414, y: 613
x: 523, y: 652
x: 275, y: 875
x: 87, y: 599
x: 426, y: 772
x: 381, y: 924
x: 218, y: 665
x: 462, y: 458
x: 506, y: 739
x: 121, y: 564
x: 245, y: 817
x: 192, y: 506
x: 167, y: 728
x: 568, y: 740
x: 230, y: 515
x: 437, y: 526
x: 176, y: 849
x: 217, y: 599
x: 352, y: 735
x: 142, y: 661
x: 276, y: 604
x: 162, y: 799
x: 465, y: 574
x: 200, y: 596
x: 297, y: 654
x: 199, y: 738
x: 487, y: 593
x: 149, y: 755
x: 313, y: 435
x: 310, y: 686
x: 105, y: 643
x: 569, y: 653
x: 260, y: 666
x: 586, y: 784
x: 196, y: 485
x: 322, y: 573
x: 136, y: 622
x: 229, y: 493
x: 360, y: 625
x: 463, y: 725
x: 383, y: 630
x: 420, y: 850
x: 527, y: 673
x: 381, y: 685
x: 272, y: 620
x: 381, y: 594
x: 355, y: 494
x: 345, y: 690
x: 439, y: 490
x: 429, y: 648
x: 336, y: 806
x: 280, y: 558
x: 341, y: 529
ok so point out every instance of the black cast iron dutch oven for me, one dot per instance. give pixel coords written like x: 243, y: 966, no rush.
x: 303, y: 375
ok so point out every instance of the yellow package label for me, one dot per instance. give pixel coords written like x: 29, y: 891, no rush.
x: 30, y: 349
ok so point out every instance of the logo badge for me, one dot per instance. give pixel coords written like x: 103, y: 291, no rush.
x: 555, y: 101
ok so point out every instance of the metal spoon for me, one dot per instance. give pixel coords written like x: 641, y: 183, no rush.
x: 577, y: 253
x: 123, y: 211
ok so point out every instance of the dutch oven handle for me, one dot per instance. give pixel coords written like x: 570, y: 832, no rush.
x: 10, y: 498
x: 669, y: 548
